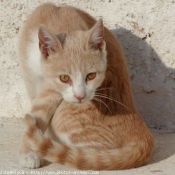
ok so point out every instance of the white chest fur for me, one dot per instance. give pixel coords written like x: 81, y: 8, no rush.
x: 34, y: 54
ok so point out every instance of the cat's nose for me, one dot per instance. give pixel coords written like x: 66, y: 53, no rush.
x: 80, y: 97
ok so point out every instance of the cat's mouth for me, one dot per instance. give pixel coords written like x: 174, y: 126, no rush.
x: 78, y: 102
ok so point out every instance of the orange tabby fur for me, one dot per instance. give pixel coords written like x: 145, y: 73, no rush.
x: 89, y: 135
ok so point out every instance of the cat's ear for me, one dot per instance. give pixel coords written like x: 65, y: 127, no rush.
x: 96, y: 36
x: 48, y: 43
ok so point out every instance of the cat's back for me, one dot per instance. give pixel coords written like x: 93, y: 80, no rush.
x: 57, y: 19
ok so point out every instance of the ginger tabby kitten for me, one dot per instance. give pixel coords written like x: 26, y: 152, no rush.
x: 78, y: 84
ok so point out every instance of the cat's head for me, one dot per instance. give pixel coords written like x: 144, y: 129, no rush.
x: 74, y: 62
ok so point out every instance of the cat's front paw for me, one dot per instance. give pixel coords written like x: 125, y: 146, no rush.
x: 30, y: 160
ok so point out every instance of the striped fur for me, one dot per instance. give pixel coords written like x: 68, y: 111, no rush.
x: 131, y: 155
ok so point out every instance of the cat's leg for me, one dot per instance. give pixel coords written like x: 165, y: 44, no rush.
x: 28, y: 158
x: 43, y: 108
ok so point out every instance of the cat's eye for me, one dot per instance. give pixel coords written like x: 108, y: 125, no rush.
x: 65, y: 78
x: 90, y: 76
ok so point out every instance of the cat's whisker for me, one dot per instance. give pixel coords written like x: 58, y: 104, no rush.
x: 110, y: 98
x: 97, y: 99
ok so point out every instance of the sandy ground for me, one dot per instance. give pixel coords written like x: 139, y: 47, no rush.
x: 162, y: 162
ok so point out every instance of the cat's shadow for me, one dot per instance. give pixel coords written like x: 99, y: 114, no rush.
x: 143, y: 62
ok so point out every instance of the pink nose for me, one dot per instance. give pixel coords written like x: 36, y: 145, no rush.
x: 80, y: 97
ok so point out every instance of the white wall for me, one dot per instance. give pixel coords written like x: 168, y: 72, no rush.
x: 146, y: 31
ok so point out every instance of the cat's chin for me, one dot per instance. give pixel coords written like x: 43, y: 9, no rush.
x: 77, y: 103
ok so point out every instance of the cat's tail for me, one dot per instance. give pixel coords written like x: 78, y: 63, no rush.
x: 130, y: 156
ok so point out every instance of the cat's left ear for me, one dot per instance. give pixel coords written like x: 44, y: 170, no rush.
x: 96, y: 36
x: 48, y: 43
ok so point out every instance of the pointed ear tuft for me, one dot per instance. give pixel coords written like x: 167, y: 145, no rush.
x: 96, y: 37
x: 48, y: 43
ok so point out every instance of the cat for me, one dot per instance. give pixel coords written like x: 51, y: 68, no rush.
x: 78, y: 83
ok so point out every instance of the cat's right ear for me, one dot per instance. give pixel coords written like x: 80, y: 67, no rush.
x: 48, y: 43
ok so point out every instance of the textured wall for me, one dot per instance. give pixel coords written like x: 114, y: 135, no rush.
x: 144, y: 28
